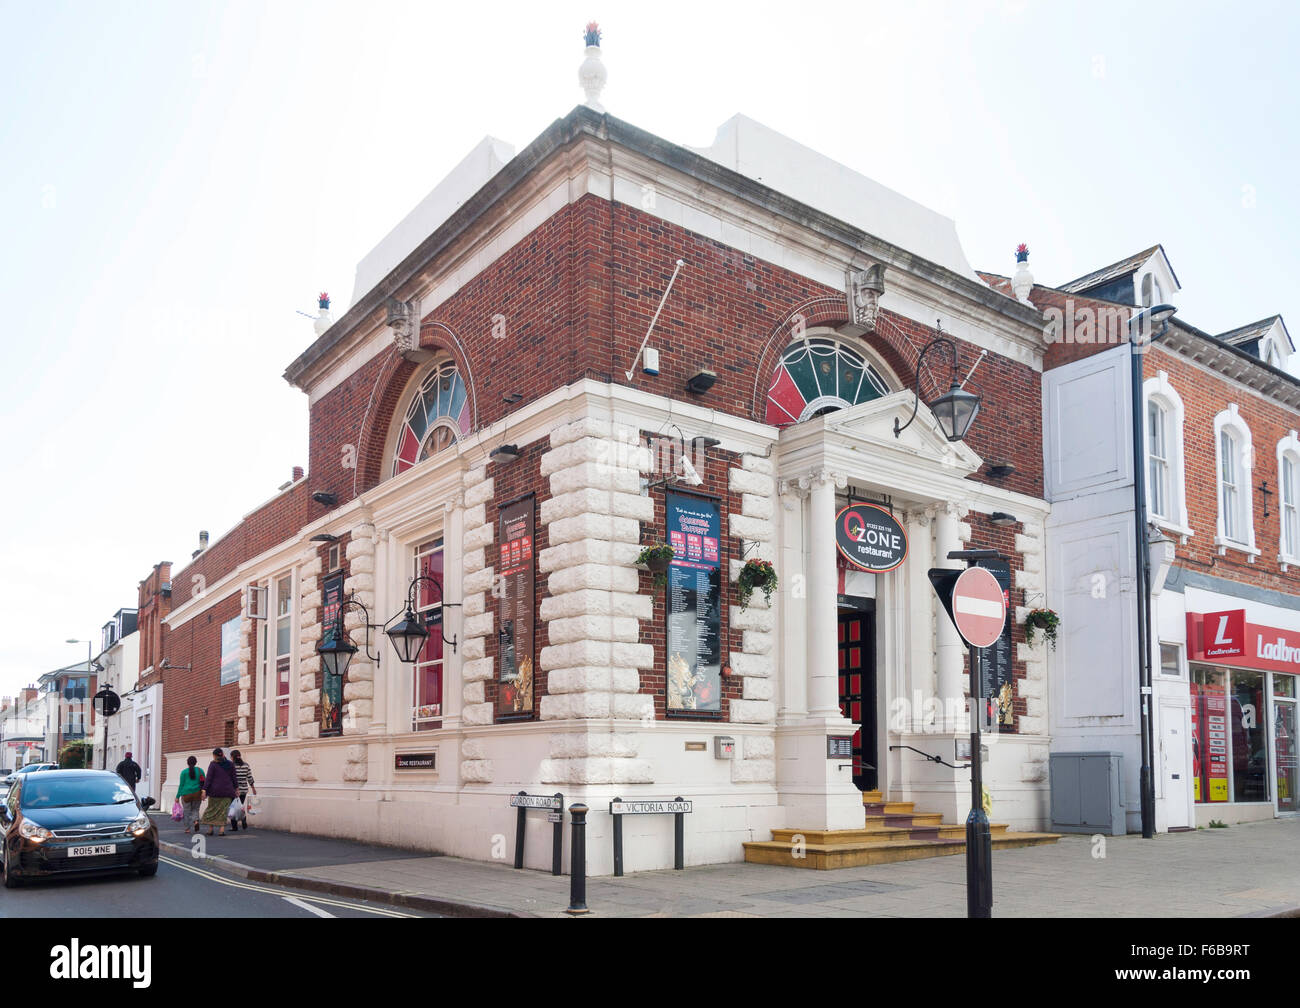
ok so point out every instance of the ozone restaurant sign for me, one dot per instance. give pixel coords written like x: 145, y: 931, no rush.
x: 870, y: 538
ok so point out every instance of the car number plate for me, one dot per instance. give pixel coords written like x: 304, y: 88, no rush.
x: 97, y: 849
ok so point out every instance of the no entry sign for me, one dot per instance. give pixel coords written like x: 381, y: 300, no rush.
x: 978, y: 607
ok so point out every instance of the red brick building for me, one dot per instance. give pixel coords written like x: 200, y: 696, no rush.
x: 1221, y: 468
x: 562, y: 357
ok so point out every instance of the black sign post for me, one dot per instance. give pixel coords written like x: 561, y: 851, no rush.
x: 554, y: 804
x: 979, y: 839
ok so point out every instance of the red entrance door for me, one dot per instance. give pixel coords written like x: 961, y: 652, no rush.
x: 857, y: 657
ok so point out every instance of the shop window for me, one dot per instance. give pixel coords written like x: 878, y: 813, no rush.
x: 437, y: 416
x: 819, y: 375
x: 1229, y: 742
x: 426, y: 688
x: 1236, y: 527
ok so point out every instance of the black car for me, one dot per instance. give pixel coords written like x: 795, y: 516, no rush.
x: 75, y: 822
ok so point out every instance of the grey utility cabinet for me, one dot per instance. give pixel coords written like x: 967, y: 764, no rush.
x: 1088, y: 793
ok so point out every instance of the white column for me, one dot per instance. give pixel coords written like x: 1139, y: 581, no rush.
x: 951, y: 651
x: 920, y: 618
x: 793, y: 612
x: 384, y: 551
x: 823, y: 622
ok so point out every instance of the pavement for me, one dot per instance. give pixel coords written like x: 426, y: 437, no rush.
x: 1246, y: 870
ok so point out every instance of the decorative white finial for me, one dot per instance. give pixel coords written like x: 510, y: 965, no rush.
x: 1023, y: 282
x: 592, y: 75
x: 324, y: 320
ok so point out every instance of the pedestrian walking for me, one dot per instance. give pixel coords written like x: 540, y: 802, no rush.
x: 129, y: 770
x: 244, y: 778
x: 221, y: 787
x: 190, y: 793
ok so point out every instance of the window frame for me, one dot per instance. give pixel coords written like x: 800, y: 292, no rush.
x: 1229, y: 423
x: 269, y: 660
x: 1288, y: 545
x: 1160, y: 392
x: 434, y: 542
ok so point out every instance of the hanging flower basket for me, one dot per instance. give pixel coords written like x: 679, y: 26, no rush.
x: 1045, y: 620
x: 656, y: 559
x: 757, y: 574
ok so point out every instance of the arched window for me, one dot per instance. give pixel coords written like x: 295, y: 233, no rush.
x: 817, y: 375
x: 437, y: 416
x: 1166, y: 489
x: 1234, y: 468
x: 1288, y: 498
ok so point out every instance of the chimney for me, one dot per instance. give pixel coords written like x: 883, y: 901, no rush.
x: 297, y: 473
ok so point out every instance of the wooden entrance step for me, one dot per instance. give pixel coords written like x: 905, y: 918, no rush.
x: 886, y: 836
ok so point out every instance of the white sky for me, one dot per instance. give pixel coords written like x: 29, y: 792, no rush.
x: 177, y: 179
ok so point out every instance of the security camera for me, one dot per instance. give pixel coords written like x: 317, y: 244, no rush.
x: 688, y: 472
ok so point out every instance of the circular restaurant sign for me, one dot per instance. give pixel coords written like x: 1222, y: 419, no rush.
x: 870, y: 538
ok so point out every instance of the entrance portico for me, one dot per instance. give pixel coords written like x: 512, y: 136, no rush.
x: 916, y: 672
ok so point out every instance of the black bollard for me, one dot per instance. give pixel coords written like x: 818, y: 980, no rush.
x: 578, y: 862
x: 679, y: 837
x: 519, y: 837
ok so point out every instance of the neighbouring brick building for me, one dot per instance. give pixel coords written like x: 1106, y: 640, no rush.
x: 494, y: 440
x: 1221, y: 467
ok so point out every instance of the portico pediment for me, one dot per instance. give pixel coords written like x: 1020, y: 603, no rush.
x: 860, y: 443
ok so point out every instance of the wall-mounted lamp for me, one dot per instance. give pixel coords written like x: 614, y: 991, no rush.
x: 328, y: 499
x: 406, y: 631
x: 955, y: 411
x: 701, y: 381
x: 1001, y: 470
x: 504, y: 453
x: 324, y: 537
x: 1002, y: 519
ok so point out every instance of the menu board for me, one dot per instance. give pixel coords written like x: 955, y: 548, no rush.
x: 997, y: 677
x: 331, y: 694
x: 694, y: 606
x: 517, y: 565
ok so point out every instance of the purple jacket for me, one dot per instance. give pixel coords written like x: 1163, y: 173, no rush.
x: 221, y: 780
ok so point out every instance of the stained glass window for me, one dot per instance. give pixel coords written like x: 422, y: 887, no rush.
x: 437, y: 416
x: 817, y: 375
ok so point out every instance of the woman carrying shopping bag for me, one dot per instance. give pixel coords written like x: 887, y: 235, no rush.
x: 190, y: 794
x: 221, y: 788
x: 244, y: 776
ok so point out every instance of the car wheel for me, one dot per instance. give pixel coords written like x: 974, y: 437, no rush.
x: 149, y: 870
x: 12, y: 881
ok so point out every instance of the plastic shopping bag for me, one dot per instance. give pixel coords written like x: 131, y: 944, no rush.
x: 178, y: 813
x: 253, y: 805
x: 236, y: 810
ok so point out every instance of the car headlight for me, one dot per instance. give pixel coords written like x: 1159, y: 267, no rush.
x: 33, y: 831
x: 139, y: 825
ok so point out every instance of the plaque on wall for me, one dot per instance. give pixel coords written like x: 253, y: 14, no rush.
x: 331, y: 694
x: 694, y: 606
x: 517, y: 564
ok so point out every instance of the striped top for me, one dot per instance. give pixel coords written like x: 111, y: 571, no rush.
x: 245, y: 775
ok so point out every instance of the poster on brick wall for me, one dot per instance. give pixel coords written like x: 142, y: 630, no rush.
x: 694, y: 637
x: 331, y: 694
x: 517, y: 565
x: 997, y: 682
x: 230, y: 651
